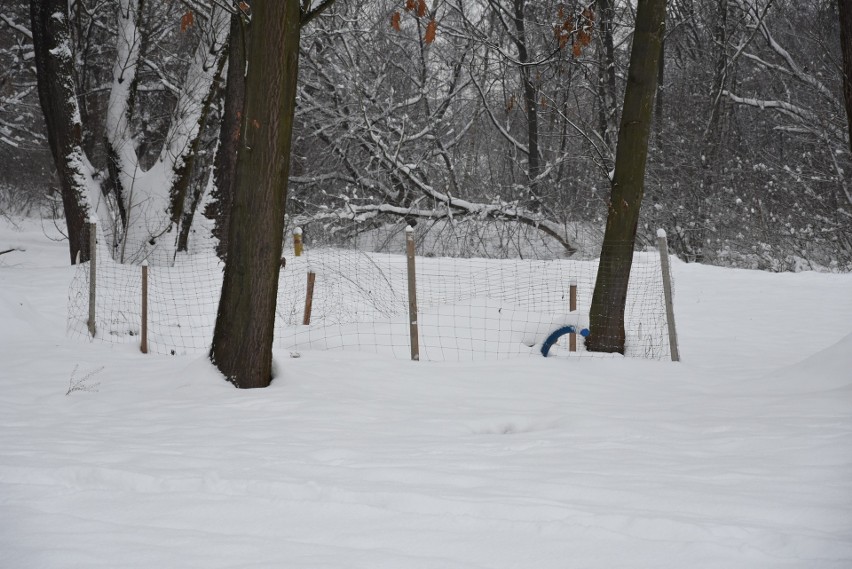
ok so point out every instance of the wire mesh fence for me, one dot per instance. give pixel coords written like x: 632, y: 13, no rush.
x: 467, y: 308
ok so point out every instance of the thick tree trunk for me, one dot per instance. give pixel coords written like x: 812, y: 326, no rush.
x: 606, y: 315
x: 845, y: 7
x: 242, y: 339
x: 58, y: 96
x: 225, y: 165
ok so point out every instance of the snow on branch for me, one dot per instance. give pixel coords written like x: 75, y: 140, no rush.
x: 194, y: 89
x: 494, y: 211
x: 511, y: 139
x: 15, y: 26
x: 309, y: 13
x: 121, y: 94
x: 810, y: 121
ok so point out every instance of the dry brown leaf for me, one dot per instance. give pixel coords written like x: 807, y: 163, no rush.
x: 186, y: 21
x: 431, y: 28
x: 577, y: 50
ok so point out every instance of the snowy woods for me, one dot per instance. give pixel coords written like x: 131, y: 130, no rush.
x: 499, y: 109
x: 465, y: 348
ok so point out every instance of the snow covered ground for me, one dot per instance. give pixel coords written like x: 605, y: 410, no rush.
x: 738, y: 457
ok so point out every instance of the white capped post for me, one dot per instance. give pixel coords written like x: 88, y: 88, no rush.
x: 297, y: 242
x: 662, y: 244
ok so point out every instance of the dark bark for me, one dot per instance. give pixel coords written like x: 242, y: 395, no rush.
x: 658, y: 103
x: 243, y: 335
x: 845, y: 8
x: 606, y: 315
x: 606, y: 73
x: 188, y: 213
x: 530, y: 103
x: 186, y: 226
x: 58, y: 95
x: 225, y: 165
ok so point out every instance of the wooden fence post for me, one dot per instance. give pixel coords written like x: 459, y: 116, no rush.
x: 572, y: 306
x: 309, y: 298
x: 662, y: 244
x: 144, y: 345
x: 93, y: 272
x: 412, y: 294
x: 297, y: 242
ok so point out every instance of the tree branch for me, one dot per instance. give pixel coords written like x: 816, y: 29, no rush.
x: 308, y: 15
x: 17, y: 27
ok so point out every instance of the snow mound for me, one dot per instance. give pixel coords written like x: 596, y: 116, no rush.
x: 825, y: 370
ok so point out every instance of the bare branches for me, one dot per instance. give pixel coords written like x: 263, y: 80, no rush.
x: 308, y: 14
x: 16, y: 27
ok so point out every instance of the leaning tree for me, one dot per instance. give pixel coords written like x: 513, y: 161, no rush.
x: 606, y: 314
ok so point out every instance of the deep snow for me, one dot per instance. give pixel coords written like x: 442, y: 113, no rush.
x: 738, y: 457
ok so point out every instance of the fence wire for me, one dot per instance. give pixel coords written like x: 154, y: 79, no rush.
x: 468, y: 308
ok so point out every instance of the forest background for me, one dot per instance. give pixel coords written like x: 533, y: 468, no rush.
x: 478, y: 112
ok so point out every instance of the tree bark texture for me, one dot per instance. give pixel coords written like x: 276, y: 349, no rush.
x: 225, y: 165
x: 606, y: 315
x: 189, y: 186
x: 661, y: 77
x: 243, y: 335
x: 845, y: 8
x: 606, y: 74
x: 530, y: 103
x: 58, y: 96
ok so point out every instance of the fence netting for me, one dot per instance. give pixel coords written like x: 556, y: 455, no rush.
x: 467, y: 308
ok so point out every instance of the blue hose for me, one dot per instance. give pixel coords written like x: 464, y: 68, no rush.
x: 558, y: 333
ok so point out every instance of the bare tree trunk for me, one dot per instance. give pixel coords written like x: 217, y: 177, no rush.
x: 712, y: 138
x: 610, y: 296
x: 530, y: 104
x: 183, y: 189
x: 184, y: 198
x: 195, y: 193
x: 606, y: 75
x: 57, y: 92
x: 225, y: 165
x: 845, y: 7
x: 658, y: 103
x: 242, y: 339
